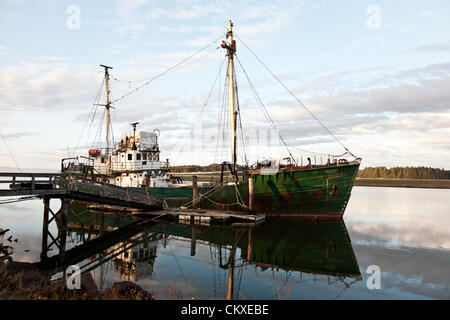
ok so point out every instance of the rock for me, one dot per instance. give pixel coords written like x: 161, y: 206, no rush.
x: 126, y: 290
x: 88, y: 285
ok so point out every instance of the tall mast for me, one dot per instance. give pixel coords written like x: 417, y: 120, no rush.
x: 231, y: 50
x: 107, y: 105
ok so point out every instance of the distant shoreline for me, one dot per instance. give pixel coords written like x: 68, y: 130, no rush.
x: 403, y: 183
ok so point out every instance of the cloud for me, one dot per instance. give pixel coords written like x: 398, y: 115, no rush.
x: 428, y: 13
x: 424, y: 96
x: 18, y: 135
x: 198, y: 11
x: 438, y: 47
x: 44, y: 86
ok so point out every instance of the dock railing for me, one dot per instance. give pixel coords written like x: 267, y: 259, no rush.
x: 18, y: 183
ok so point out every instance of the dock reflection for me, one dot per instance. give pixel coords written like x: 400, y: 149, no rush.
x: 304, y: 246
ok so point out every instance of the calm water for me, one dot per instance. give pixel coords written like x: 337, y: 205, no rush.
x: 403, y: 231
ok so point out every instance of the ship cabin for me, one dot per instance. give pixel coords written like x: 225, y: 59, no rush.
x: 137, y: 151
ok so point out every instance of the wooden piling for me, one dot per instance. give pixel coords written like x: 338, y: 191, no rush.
x: 147, y: 183
x: 194, y: 192
x: 63, y: 231
x: 46, y: 201
x: 250, y: 194
x: 250, y: 245
x: 32, y: 183
x: 193, y: 241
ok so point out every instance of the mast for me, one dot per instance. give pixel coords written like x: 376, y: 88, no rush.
x: 231, y: 50
x: 107, y: 105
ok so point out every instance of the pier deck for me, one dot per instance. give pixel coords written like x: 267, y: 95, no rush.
x: 54, y: 185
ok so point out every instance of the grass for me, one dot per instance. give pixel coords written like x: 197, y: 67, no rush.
x: 26, y: 283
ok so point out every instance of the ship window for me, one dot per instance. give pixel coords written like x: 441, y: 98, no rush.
x: 130, y: 156
x: 138, y: 156
x: 144, y: 162
x: 103, y: 160
x: 144, y: 156
x: 126, y: 254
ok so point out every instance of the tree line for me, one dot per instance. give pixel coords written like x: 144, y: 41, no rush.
x: 404, y: 173
x: 369, y: 172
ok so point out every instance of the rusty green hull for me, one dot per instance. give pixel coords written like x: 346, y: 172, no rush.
x: 321, y: 192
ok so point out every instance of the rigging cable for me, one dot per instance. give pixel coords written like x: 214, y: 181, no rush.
x: 166, y: 71
x: 99, y: 132
x: 222, y: 122
x: 10, y: 153
x: 220, y: 102
x: 265, y: 112
x: 173, y: 70
x: 205, y: 103
x: 295, y: 97
x: 239, y: 116
x: 93, y: 111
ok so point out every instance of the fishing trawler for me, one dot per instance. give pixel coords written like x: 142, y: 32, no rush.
x: 270, y: 187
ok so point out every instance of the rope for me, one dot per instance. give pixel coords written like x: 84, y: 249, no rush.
x: 295, y: 97
x: 238, y: 193
x: 199, y: 197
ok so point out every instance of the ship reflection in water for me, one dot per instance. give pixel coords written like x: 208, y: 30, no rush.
x: 202, y: 261
x: 404, y: 231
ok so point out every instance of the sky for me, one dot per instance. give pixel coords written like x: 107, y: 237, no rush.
x: 376, y: 74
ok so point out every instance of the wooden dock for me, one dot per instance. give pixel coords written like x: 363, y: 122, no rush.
x: 64, y: 186
x: 206, y: 217
x: 53, y: 185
